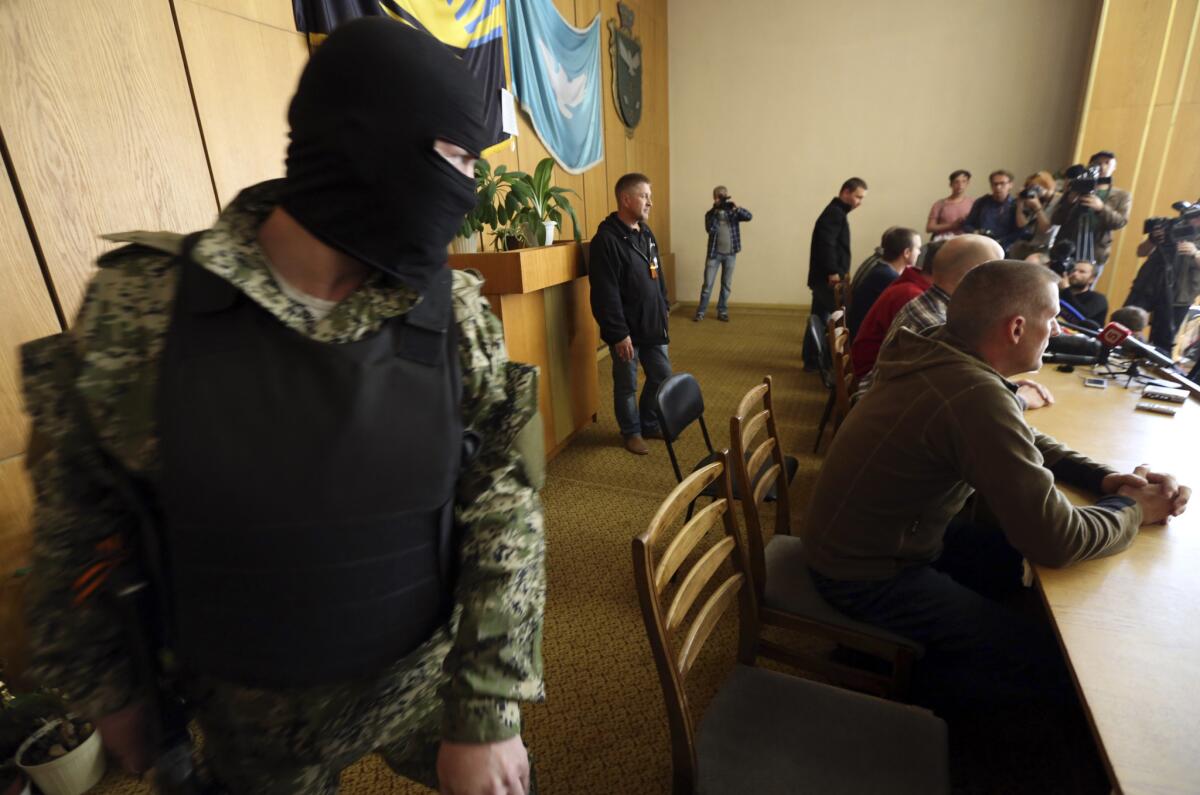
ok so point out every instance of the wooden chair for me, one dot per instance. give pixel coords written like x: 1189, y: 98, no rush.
x: 841, y: 295
x: 843, y: 373
x: 764, y: 732
x: 785, y: 592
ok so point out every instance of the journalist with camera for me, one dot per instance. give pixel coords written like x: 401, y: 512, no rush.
x: 1091, y: 209
x: 1034, y: 205
x: 1169, y: 280
x: 723, y: 225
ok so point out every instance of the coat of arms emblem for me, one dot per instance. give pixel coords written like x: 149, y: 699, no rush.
x: 626, y: 50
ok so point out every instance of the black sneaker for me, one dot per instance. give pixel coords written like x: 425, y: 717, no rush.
x: 697, y: 318
x: 723, y: 318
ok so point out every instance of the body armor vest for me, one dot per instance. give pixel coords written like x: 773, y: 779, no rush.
x: 308, y: 487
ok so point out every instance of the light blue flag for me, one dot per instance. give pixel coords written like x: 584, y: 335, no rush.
x: 556, y: 77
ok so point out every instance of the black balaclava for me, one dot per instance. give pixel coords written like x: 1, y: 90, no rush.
x: 362, y: 174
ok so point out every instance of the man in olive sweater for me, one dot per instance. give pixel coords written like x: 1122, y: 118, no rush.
x: 941, y: 423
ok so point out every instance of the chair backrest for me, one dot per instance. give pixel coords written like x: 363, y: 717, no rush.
x: 843, y: 373
x: 679, y: 404
x: 758, y: 462
x: 675, y: 641
x: 820, y: 341
x: 841, y: 295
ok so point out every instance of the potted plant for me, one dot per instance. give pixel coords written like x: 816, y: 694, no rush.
x: 18, y: 719
x: 520, y: 209
x: 495, y: 205
x: 60, y: 751
x: 543, y: 205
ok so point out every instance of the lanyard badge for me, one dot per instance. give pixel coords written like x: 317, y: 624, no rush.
x: 653, y: 261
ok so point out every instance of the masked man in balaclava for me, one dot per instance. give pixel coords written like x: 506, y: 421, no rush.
x: 302, y: 431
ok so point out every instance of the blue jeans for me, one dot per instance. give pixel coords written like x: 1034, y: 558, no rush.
x: 725, y: 262
x: 634, y: 416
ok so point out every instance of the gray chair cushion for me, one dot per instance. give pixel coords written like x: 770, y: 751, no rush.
x: 767, y: 732
x: 790, y: 588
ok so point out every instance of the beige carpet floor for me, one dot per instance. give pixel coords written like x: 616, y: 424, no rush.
x: 602, y: 729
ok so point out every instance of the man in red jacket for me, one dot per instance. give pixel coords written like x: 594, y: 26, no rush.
x: 908, y: 285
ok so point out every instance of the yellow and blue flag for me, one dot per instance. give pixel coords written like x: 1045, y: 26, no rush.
x: 472, y: 28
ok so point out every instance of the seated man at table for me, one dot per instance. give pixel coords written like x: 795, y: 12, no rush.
x: 912, y: 282
x: 941, y: 423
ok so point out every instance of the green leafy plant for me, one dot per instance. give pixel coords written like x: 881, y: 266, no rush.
x: 23, y: 714
x: 495, y: 203
x: 543, y: 202
x: 514, y: 204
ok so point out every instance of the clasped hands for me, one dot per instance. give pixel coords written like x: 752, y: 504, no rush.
x: 1160, y: 496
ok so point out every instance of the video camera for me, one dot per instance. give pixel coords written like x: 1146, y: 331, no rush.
x: 1062, y: 257
x: 1032, y: 192
x: 726, y: 204
x: 1175, y: 230
x: 1085, y: 179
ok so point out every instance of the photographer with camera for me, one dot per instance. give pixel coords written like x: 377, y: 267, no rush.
x: 994, y: 215
x: 1035, y: 204
x: 723, y: 225
x: 1092, y: 209
x: 1169, y: 280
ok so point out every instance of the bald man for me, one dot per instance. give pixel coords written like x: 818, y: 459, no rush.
x: 955, y: 259
x: 941, y: 423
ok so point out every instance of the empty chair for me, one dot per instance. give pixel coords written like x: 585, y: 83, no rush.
x: 679, y: 403
x: 786, y: 596
x: 820, y: 342
x: 764, y: 732
x: 835, y: 330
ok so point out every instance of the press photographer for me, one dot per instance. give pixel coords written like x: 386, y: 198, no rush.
x: 723, y: 225
x: 1035, y: 204
x: 1091, y: 209
x: 1169, y: 280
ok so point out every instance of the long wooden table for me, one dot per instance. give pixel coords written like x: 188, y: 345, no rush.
x: 1130, y: 624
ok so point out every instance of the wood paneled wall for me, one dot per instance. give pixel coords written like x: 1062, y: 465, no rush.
x: 245, y: 59
x: 150, y: 114
x: 1143, y: 103
x: 646, y: 151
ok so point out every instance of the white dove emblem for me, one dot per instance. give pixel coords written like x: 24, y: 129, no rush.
x: 631, y: 61
x: 567, y: 93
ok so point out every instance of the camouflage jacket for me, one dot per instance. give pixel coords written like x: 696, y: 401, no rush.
x: 91, y: 393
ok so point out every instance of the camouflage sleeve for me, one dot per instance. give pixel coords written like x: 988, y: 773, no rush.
x: 496, y: 660
x: 78, y: 649
x: 71, y: 382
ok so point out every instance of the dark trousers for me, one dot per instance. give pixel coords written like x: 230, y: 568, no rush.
x: 991, y: 670
x: 822, y: 307
x: 980, y: 652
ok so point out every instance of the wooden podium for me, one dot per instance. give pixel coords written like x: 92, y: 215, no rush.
x: 541, y: 296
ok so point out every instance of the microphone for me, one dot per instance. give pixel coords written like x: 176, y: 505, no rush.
x: 1076, y: 345
x: 1091, y: 332
x: 1069, y: 358
x: 1115, y: 335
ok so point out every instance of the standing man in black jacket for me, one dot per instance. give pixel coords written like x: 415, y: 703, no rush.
x: 629, y: 302
x: 829, y: 257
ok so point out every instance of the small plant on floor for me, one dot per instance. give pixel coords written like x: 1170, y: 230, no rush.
x: 23, y: 715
